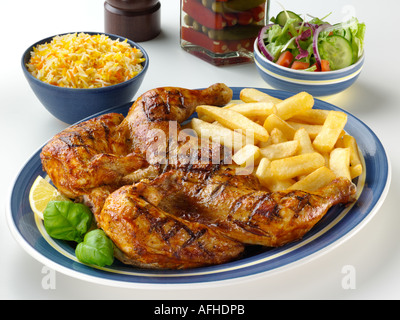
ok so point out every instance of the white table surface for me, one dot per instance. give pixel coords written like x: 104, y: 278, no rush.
x: 373, y: 253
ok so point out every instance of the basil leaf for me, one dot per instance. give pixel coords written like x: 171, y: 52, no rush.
x: 96, y: 249
x: 67, y: 220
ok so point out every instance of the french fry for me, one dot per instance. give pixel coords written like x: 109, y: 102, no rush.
x: 330, y: 132
x: 304, y: 141
x: 294, y: 105
x: 254, y: 95
x: 356, y: 171
x: 339, y: 162
x: 255, y: 109
x: 263, y: 144
x: 263, y: 172
x: 315, y: 180
x: 326, y: 156
x: 280, y: 150
x: 312, y: 129
x: 247, y: 156
x: 268, y: 180
x: 273, y: 121
x: 205, y: 118
x: 295, y: 166
x: 231, y: 139
x: 356, y: 167
x: 234, y: 120
x: 351, y: 143
x: 339, y: 143
x: 277, y: 136
x: 311, y: 116
x: 341, y: 135
x: 280, y: 185
x: 231, y: 104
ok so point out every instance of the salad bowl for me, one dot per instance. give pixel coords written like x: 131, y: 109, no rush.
x: 318, y: 84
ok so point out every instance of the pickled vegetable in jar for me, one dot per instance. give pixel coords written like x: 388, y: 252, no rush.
x: 222, y: 31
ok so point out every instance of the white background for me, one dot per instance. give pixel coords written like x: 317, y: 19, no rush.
x: 374, y: 252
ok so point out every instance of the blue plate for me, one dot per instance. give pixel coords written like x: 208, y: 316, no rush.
x: 337, y: 226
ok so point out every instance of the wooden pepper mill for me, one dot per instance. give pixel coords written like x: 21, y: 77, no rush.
x: 137, y: 20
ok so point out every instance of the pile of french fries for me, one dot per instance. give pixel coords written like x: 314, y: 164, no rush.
x: 288, y: 144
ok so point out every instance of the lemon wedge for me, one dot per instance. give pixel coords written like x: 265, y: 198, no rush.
x: 41, y: 193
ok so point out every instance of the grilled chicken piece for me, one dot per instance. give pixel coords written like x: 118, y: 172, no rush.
x: 154, y: 120
x: 147, y: 237
x: 89, y: 155
x: 91, y: 159
x: 237, y: 207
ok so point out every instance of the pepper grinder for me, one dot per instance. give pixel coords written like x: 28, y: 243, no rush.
x: 137, y: 20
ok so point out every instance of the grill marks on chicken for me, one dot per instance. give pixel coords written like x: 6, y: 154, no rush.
x: 159, y: 112
x: 149, y: 237
x: 187, y: 213
x: 89, y: 155
x: 236, y: 207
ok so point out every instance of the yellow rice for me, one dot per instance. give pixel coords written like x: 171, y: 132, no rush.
x: 85, y: 61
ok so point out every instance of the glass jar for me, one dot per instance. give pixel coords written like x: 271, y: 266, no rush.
x: 222, y: 32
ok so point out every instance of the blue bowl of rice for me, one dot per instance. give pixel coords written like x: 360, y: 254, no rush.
x: 74, y: 80
x: 318, y: 84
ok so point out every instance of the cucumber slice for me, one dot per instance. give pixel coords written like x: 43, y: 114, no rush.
x: 281, y: 18
x: 337, y: 50
x: 344, y: 32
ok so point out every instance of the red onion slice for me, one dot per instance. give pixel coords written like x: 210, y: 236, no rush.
x: 303, y: 36
x: 261, y: 44
x: 320, y: 29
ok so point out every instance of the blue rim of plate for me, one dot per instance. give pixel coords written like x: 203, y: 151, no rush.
x: 338, y: 225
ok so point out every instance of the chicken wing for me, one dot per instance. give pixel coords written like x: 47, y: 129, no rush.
x: 89, y: 155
